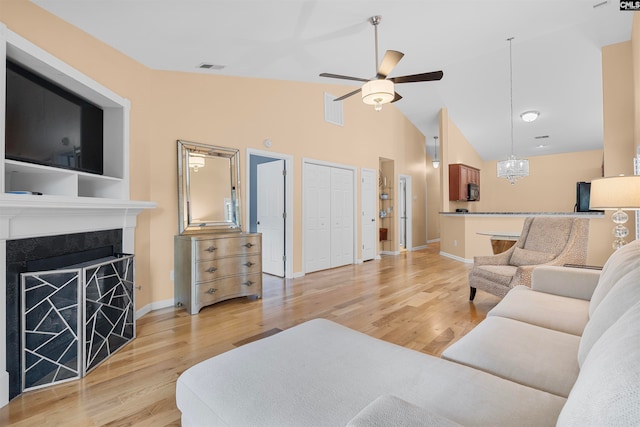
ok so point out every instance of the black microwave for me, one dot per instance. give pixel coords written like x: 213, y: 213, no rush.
x: 473, y: 192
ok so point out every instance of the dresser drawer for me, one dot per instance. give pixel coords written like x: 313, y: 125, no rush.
x: 228, y: 247
x: 229, y: 287
x: 216, y: 268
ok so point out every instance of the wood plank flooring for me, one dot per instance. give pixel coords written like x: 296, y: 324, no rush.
x: 416, y: 299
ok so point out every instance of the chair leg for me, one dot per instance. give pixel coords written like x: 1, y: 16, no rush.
x: 472, y: 294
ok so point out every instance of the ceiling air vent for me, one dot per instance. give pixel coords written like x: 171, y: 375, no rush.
x: 207, y: 66
x: 333, y: 110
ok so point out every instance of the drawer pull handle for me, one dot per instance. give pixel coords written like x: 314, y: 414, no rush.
x: 249, y: 263
x: 211, y: 249
x: 211, y: 269
x: 211, y: 291
x: 248, y: 283
x: 248, y: 245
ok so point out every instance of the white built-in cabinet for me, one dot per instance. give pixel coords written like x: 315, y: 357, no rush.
x: 329, y: 216
x: 52, y: 181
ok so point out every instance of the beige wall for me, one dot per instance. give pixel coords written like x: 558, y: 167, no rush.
x: 550, y: 187
x: 167, y: 106
x: 120, y: 74
x: 226, y: 111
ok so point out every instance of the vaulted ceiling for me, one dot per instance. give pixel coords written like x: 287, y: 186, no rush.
x: 556, y: 49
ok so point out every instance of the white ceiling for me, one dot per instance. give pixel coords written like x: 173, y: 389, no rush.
x: 556, y: 54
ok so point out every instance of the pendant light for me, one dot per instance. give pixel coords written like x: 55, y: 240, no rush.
x: 435, y: 162
x: 513, y: 168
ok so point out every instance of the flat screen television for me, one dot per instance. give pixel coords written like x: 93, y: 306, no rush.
x: 583, y: 197
x: 48, y: 125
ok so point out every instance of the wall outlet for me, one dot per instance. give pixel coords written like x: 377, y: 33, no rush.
x: 455, y: 243
x: 171, y: 275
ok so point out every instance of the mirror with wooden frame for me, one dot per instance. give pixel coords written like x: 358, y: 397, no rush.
x: 208, y: 188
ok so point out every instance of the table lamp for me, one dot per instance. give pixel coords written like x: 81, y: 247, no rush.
x: 616, y: 193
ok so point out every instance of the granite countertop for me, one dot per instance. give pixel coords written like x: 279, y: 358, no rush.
x: 589, y: 214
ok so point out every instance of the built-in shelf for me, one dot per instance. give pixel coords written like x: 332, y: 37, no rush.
x: 53, y: 181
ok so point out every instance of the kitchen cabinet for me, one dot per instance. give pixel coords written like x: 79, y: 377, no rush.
x: 460, y: 176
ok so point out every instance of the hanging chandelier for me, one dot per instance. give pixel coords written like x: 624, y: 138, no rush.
x: 513, y: 168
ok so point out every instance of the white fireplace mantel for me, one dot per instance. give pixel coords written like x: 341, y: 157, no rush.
x: 24, y: 216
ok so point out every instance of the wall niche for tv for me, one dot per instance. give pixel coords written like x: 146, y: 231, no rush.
x: 88, y: 125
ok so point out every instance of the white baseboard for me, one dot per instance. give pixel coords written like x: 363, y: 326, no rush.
x: 154, y: 306
x: 389, y: 253
x: 298, y: 274
x: 457, y: 258
x: 417, y: 248
x: 433, y: 241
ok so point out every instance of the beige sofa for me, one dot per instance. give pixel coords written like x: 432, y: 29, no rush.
x: 564, y: 352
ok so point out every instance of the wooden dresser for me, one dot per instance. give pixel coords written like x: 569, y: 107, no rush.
x: 209, y: 268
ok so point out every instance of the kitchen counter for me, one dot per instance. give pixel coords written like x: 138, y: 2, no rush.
x: 463, y: 235
x: 516, y: 214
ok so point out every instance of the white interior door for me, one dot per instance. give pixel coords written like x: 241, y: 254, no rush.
x: 405, y: 202
x: 402, y: 210
x: 368, y: 203
x: 270, y: 216
x: 342, y: 214
x: 317, y: 217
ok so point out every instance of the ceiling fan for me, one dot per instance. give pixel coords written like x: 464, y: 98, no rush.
x: 380, y: 89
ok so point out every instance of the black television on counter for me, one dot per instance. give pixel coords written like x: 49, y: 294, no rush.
x: 48, y: 125
x: 583, y: 197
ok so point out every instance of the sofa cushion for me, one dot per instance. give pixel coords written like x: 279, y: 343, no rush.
x: 322, y: 374
x: 550, y: 311
x: 619, y: 263
x: 388, y: 411
x: 607, y: 391
x: 548, y: 234
x: 530, y: 355
x: 526, y: 257
x: 502, y: 274
x: 620, y: 298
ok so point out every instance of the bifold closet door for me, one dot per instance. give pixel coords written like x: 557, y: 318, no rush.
x: 329, y: 217
x: 317, y: 216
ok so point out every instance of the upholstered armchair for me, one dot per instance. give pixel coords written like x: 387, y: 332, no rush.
x: 543, y: 241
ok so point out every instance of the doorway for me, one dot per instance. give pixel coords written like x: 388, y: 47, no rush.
x: 269, y: 208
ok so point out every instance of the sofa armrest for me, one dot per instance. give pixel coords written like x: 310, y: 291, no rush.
x: 390, y: 410
x: 565, y: 281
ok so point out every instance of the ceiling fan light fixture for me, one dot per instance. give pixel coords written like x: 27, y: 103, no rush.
x: 377, y: 93
x: 529, y: 116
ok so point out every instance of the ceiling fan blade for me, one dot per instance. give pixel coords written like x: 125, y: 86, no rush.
x: 348, y: 95
x: 397, y: 97
x: 338, y: 76
x: 424, y: 77
x: 389, y: 62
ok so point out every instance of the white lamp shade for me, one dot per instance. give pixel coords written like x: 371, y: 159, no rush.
x: 616, y: 192
x: 378, y: 92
